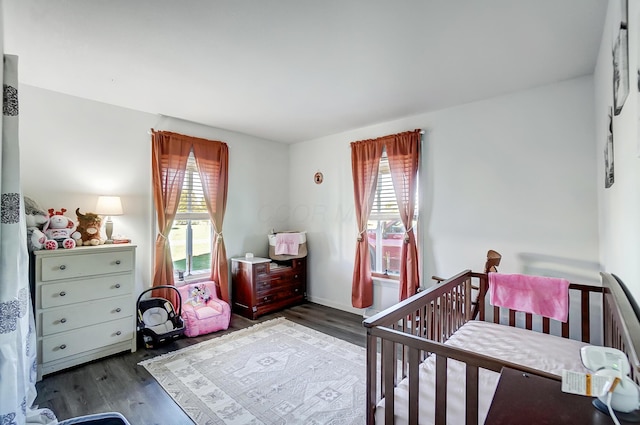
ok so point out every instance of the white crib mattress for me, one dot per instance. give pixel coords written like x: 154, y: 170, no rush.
x: 533, y: 349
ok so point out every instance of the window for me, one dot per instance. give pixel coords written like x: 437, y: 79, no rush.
x: 385, y: 231
x: 191, y: 235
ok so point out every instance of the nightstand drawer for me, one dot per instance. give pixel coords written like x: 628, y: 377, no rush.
x: 56, y: 267
x: 63, y: 293
x: 69, y: 343
x: 85, y: 314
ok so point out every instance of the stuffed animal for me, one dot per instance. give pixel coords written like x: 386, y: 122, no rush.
x: 199, y: 295
x: 60, y: 231
x: 35, y: 218
x: 89, y: 227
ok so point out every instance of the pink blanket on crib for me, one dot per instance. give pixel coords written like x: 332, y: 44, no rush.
x: 546, y: 296
x: 287, y: 243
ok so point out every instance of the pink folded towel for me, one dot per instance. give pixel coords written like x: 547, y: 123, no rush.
x: 287, y: 243
x: 546, y: 296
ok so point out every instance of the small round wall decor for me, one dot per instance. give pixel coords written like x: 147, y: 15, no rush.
x: 317, y: 177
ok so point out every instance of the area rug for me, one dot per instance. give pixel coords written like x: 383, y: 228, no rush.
x: 275, y: 372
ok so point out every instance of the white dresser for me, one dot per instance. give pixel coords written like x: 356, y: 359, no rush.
x: 84, y: 304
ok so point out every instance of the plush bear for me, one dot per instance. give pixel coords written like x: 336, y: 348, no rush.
x: 35, y: 218
x: 60, y: 231
x: 89, y: 227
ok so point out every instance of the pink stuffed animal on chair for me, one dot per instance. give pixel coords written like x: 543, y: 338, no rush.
x: 60, y: 231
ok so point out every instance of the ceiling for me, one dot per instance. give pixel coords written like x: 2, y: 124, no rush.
x: 295, y: 70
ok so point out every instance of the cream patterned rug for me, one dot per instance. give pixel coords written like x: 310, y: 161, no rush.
x: 275, y: 372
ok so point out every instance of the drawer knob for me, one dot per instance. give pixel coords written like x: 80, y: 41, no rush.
x: 117, y: 285
x: 62, y: 294
x: 63, y: 320
x: 63, y: 267
x: 63, y: 346
x: 266, y: 298
x: 118, y: 333
x: 118, y: 262
x: 118, y: 310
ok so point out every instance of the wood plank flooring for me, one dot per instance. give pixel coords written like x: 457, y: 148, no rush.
x: 118, y: 384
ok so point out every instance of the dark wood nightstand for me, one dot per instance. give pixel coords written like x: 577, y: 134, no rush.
x: 531, y: 399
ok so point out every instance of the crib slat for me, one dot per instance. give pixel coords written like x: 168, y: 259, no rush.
x: 371, y: 376
x: 388, y: 362
x: 414, y: 358
x: 472, y: 395
x: 512, y: 317
x: 496, y: 314
x: 528, y: 321
x: 586, y: 314
x: 545, y: 325
x: 441, y: 390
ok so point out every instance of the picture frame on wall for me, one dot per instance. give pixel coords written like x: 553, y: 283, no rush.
x: 620, y: 70
x: 608, y: 153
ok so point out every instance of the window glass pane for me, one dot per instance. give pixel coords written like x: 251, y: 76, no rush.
x: 190, y: 242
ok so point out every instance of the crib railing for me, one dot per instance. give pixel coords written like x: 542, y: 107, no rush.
x: 402, y: 336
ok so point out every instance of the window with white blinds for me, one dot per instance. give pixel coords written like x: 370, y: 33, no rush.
x: 191, y: 236
x: 385, y: 231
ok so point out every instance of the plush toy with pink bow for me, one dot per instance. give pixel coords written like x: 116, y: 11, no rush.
x: 60, y: 231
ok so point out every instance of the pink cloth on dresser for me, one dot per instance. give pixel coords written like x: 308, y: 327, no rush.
x: 546, y: 296
x: 287, y: 243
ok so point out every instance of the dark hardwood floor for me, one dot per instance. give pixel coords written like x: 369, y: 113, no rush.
x: 118, y: 384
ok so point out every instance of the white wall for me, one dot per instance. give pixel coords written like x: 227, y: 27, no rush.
x: 619, y: 205
x: 73, y: 150
x: 514, y: 174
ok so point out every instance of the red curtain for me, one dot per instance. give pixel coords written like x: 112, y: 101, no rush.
x: 168, y: 166
x: 170, y: 152
x: 403, y: 152
x: 365, y: 161
x: 212, y: 160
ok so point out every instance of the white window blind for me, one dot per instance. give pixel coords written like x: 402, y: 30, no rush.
x: 385, y: 206
x: 192, y: 201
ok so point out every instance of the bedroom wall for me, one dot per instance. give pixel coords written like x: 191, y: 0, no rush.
x: 73, y: 150
x: 619, y: 205
x: 513, y: 173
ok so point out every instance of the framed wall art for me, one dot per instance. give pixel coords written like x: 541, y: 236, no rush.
x: 608, y: 153
x: 620, y: 70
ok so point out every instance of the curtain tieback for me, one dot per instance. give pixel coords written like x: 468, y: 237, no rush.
x: 406, y: 234
x: 218, y: 236
x: 163, y: 236
x: 362, y: 232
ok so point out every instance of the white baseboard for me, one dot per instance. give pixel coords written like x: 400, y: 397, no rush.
x: 332, y: 304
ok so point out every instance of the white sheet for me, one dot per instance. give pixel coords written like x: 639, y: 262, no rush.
x: 545, y: 352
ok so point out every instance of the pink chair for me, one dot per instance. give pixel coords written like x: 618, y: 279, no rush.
x: 202, y: 311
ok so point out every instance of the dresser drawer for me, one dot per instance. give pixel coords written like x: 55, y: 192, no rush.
x: 63, y: 293
x: 283, y: 292
x: 70, y: 343
x: 272, y: 284
x: 85, y: 314
x: 72, y: 266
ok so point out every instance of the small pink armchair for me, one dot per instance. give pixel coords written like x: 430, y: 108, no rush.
x: 202, y: 311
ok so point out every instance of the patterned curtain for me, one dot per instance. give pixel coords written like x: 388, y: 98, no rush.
x: 17, y: 329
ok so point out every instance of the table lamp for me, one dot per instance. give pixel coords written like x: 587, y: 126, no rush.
x: 109, y: 206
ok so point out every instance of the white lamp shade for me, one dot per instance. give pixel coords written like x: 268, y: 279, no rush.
x: 109, y: 205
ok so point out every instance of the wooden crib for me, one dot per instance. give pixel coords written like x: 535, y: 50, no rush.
x: 422, y: 329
